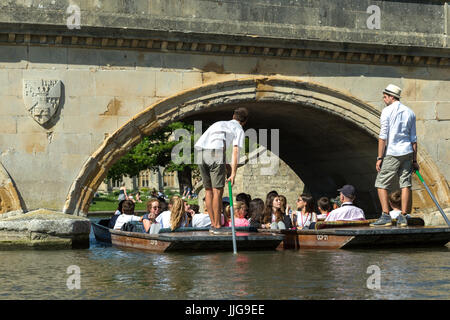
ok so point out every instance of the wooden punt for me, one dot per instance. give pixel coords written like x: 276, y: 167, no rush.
x: 199, y: 240
x: 361, y: 235
x: 101, y: 231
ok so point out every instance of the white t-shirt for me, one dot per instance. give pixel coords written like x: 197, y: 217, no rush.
x: 201, y: 220
x: 164, y: 220
x: 222, y: 134
x: 398, y: 128
x: 304, y: 221
x: 124, y: 218
x: 347, y: 212
x: 395, y: 213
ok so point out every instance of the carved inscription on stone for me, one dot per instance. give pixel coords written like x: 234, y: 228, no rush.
x: 42, y: 98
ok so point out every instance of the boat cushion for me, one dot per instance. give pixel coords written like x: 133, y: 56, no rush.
x: 191, y: 229
x: 342, y: 224
x: 413, y: 221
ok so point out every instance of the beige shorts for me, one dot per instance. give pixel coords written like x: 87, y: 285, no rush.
x: 394, y: 168
x: 212, y: 169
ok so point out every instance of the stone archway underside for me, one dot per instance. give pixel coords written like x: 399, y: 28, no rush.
x: 329, y: 137
x: 9, y: 197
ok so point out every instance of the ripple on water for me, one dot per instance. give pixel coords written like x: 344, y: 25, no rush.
x: 111, y: 273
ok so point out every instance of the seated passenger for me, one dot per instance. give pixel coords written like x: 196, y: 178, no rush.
x: 348, y: 211
x: 189, y: 212
x: 240, y: 211
x: 175, y: 217
x: 256, y: 214
x: 127, y: 215
x: 395, y: 201
x: 244, y: 197
x: 153, y: 209
x: 336, y: 202
x: 200, y: 220
x: 118, y: 212
x: 306, y: 216
x: 324, y: 206
x: 274, y: 218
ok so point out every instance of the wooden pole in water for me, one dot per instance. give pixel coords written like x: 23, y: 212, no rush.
x: 232, y: 217
x: 433, y: 198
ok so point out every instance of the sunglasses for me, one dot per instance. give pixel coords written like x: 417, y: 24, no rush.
x: 156, y: 207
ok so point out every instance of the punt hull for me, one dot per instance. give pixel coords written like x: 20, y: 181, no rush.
x: 195, y: 241
x: 366, y: 238
x: 101, y: 231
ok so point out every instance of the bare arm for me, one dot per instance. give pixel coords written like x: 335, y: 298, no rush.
x: 234, y: 163
x: 381, y: 148
x: 415, y: 164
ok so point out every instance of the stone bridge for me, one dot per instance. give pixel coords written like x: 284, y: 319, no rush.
x: 81, y: 82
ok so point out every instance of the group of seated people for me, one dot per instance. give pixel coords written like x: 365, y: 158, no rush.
x: 273, y: 213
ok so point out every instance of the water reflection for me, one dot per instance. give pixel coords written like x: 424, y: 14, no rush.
x: 111, y: 273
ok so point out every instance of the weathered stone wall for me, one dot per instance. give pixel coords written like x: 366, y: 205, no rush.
x: 129, y: 55
x: 103, y: 89
x: 254, y: 179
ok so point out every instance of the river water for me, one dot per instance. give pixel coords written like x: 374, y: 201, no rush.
x: 110, y: 273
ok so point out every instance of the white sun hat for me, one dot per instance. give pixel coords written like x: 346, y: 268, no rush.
x: 393, y: 90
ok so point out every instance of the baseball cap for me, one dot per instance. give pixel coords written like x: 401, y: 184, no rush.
x: 348, y: 190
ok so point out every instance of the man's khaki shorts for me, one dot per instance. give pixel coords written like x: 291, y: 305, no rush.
x: 212, y: 169
x: 394, y: 168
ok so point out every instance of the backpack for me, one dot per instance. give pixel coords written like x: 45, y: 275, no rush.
x: 128, y: 227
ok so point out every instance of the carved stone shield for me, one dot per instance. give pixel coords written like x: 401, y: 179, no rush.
x: 42, y: 98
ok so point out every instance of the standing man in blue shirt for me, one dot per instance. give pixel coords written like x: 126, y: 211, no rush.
x: 397, y: 154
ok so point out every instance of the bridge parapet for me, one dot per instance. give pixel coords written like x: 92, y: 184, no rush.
x: 386, y: 32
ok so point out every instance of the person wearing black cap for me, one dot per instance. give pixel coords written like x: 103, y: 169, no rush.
x: 348, y: 211
x: 397, y: 155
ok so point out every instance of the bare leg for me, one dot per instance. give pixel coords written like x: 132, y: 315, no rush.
x: 384, y: 200
x: 217, y: 206
x: 406, y: 200
x: 209, y: 205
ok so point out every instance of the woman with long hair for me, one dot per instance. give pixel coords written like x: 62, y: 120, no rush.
x: 178, y: 216
x: 175, y: 217
x: 273, y: 216
x: 240, y: 211
x: 306, y: 215
x: 256, y: 212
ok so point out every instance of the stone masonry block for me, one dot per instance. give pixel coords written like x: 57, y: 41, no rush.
x: 191, y: 80
x: 424, y: 110
x: 432, y: 90
x: 12, y: 106
x: 125, y: 83
x: 8, y: 124
x: 168, y: 83
x: 443, y: 111
x: 14, y: 57
x: 47, y: 58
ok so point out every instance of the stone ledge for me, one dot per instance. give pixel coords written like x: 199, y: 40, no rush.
x: 44, y: 229
x: 434, y: 218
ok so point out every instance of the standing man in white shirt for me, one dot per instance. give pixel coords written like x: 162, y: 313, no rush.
x: 397, y: 154
x: 211, y: 149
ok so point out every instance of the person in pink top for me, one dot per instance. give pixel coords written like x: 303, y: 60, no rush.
x: 348, y: 211
x: 240, y: 210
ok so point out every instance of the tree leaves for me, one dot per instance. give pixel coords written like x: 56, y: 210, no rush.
x: 153, y: 151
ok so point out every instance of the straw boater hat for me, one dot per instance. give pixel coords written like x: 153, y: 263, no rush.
x: 393, y: 90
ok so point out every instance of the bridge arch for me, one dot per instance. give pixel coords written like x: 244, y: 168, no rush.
x: 355, y: 123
